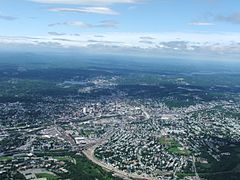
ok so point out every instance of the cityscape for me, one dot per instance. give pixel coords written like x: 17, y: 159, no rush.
x: 137, y: 131
x: 119, y: 90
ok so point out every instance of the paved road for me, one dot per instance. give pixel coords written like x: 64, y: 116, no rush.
x: 145, y: 113
x: 28, y: 144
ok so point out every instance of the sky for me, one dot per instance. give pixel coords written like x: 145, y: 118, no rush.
x: 189, y: 28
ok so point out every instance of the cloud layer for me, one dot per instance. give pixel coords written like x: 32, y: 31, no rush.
x: 88, y: 10
x: 162, y: 44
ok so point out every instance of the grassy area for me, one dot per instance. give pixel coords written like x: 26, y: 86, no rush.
x: 183, y: 175
x: 173, y: 146
x: 203, y: 167
x: 63, y: 158
x: 6, y: 158
x: 165, y: 140
x: 179, y: 151
x: 46, y: 175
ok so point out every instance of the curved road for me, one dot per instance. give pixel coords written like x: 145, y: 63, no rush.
x: 89, y: 153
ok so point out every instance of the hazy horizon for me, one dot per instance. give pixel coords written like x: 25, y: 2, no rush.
x: 207, y: 29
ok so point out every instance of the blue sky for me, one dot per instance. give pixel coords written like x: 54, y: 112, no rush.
x: 205, y: 28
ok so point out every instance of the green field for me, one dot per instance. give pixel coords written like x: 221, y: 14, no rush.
x: 183, y: 175
x: 179, y: 151
x: 6, y: 158
x: 165, y: 140
x: 63, y: 158
x: 46, y: 175
x: 173, y: 146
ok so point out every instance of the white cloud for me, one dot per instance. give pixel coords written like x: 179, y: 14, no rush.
x: 88, y: 10
x: 72, y: 23
x: 56, y: 33
x: 199, y: 23
x: 80, y: 24
x: 85, y: 2
x: 146, y: 38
